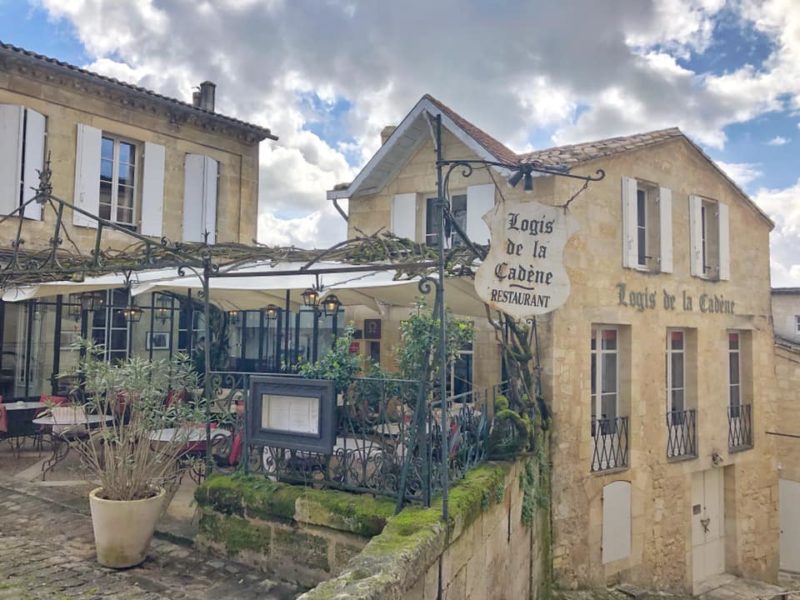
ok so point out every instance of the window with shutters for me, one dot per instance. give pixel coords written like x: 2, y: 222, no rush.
x: 647, y: 226
x: 22, y: 149
x: 119, y: 160
x: 710, y: 251
x: 458, y: 208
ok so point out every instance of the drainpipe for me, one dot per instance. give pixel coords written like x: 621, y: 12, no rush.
x: 340, y: 210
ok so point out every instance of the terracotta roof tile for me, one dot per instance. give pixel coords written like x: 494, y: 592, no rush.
x: 261, y: 132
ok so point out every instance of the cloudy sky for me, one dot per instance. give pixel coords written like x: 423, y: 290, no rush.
x: 328, y: 75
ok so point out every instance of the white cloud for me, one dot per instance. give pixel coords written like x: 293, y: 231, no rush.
x: 783, y: 206
x: 510, y: 69
x: 741, y: 173
x: 778, y: 140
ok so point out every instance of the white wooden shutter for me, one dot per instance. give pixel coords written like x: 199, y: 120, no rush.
x: 210, y: 174
x: 404, y: 216
x: 724, y: 243
x: 629, y: 206
x: 193, y: 181
x: 10, y: 156
x: 87, y: 174
x: 616, y: 521
x: 34, y: 161
x: 665, y: 225
x: 480, y: 200
x: 695, y: 236
x: 153, y: 189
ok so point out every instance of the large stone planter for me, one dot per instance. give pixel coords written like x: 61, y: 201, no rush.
x: 123, y: 528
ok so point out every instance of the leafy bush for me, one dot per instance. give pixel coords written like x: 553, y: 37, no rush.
x: 338, y: 364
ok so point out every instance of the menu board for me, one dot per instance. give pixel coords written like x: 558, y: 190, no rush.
x: 292, y: 414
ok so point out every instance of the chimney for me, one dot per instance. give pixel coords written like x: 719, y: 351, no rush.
x: 207, y: 89
x: 196, y: 98
x: 386, y: 132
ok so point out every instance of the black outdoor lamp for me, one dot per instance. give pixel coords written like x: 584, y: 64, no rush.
x: 163, y: 308
x: 92, y: 300
x: 132, y: 313
x: 74, y: 309
x: 331, y: 305
x: 271, y: 311
x: 311, y: 297
x: 522, y: 173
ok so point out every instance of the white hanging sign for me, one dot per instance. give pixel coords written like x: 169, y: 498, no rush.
x: 523, y: 274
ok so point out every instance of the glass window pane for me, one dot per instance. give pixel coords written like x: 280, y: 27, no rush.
x: 609, y: 339
x: 431, y: 223
x: 609, y: 373
x: 734, y: 368
x: 126, y: 174
x: 106, y: 170
x: 734, y: 396
x: 594, y: 374
x: 126, y: 153
x: 105, y: 211
x: 125, y: 196
x: 676, y: 340
x: 107, y: 149
x: 641, y: 208
x: 677, y: 400
x: 677, y: 370
x: 594, y: 338
x: 733, y: 341
x: 609, y: 406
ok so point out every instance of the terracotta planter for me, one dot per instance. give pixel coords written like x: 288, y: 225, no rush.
x: 123, y: 528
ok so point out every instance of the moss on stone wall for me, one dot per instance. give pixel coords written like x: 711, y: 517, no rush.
x: 258, y: 498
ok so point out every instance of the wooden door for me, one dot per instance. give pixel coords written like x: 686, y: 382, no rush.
x: 708, y: 524
x: 789, y: 504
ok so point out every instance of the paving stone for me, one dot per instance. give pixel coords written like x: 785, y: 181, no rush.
x: 49, y: 554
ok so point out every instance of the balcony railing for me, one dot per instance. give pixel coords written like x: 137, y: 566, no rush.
x: 681, y: 434
x: 740, y: 427
x: 609, y: 444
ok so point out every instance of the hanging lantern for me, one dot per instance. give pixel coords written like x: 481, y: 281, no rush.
x: 233, y: 317
x: 331, y: 305
x: 271, y: 311
x: 163, y: 308
x: 311, y: 297
x: 93, y: 300
x: 132, y: 313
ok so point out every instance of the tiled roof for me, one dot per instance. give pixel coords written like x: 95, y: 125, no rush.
x: 14, y: 51
x: 573, y: 154
x: 495, y: 148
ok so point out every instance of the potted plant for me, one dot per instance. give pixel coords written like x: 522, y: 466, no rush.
x: 137, y: 448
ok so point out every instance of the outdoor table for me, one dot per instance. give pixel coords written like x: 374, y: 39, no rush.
x: 193, y: 438
x: 20, y: 417
x: 60, y: 437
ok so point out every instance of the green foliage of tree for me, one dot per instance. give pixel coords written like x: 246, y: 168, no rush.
x: 338, y: 364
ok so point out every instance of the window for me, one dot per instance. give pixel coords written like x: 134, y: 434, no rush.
x: 605, y: 375
x: 734, y: 372
x: 647, y: 226
x: 710, y: 253
x: 797, y: 323
x: 22, y: 149
x: 110, y: 328
x: 460, y: 379
x: 458, y: 208
x: 118, y: 173
x: 676, y: 375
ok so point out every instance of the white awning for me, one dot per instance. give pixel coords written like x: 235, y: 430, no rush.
x: 256, y: 285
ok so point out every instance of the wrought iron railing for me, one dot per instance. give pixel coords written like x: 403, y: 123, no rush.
x: 388, y: 438
x: 609, y: 444
x: 740, y: 427
x: 681, y: 433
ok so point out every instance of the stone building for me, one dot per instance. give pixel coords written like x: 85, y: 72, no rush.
x: 152, y: 164
x: 786, y: 318
x: 659, y: 367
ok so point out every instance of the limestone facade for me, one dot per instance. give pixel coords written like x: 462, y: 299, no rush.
x: 659, y: 539
x: 67, y: 97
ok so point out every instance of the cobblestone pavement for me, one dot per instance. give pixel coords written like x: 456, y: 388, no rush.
x: 47, y: 552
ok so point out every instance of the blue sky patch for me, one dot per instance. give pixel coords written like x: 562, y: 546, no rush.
x: 328, y: 120
x: 29, y: 27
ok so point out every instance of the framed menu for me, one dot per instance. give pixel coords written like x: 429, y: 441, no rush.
x: 293, y: 413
